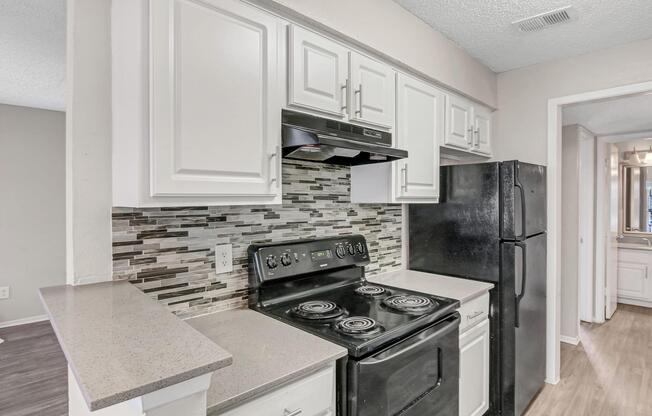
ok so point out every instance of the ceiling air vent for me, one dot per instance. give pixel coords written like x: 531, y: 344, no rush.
x: 544, y: 20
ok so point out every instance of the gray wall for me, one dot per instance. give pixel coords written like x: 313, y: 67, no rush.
x: 32, y: 213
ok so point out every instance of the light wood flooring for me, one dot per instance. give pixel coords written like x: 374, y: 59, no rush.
x: 33, y: 372
x: 608, y: 374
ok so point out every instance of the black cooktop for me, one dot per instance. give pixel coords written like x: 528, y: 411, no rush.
x: 361, y: 316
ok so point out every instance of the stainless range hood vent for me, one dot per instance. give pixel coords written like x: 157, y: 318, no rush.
x: 316, y: 139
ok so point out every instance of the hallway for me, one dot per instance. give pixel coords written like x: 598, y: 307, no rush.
x: 608, y: 374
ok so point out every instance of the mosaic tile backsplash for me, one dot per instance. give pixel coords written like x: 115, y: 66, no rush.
x: 169, y: 252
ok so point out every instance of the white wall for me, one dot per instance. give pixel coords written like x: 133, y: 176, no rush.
x: 520, y: 128
x: 32, y: 212
x: 88, y: 141
x: 569, y: 226
x: 390, y: 29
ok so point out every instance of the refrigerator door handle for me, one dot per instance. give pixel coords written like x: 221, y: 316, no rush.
x: 518, y: 297
x: 517, y: 184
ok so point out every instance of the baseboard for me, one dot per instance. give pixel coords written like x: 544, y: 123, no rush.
x: 23, y: 321
x: 635, y: 302
x: 569, y: 340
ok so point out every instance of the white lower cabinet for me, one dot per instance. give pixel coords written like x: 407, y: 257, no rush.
x: 313, y: 395
x: 474, y: 357
x: 634, y: 276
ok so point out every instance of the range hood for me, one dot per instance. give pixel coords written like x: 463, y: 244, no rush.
x: 317, y: 139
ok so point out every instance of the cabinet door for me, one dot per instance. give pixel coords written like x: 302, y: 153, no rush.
x: 419, y: 127
x: 372, y: 91
x: 459, y: 119
x: 633, y: 280
x: 482, y: 130
x: 318, y: 72
x: 474, y: 370
x: 215, y: 101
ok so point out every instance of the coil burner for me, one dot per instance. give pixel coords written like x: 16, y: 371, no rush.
x: 370, y: 290
x: 358, y: 326
x: 317, y: 309
x: 410, y: 303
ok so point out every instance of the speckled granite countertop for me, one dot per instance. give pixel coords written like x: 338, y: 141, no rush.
x: 121, y: 344
x: 434, y: 284
x: 266, y: 354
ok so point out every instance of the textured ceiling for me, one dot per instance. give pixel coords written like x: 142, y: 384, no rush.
x: 612, y: 117
x: 33, y: 53
x: 483, y: 27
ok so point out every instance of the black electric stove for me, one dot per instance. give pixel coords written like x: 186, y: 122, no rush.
x: 397, y: 339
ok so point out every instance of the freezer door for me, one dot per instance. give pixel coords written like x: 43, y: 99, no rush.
x: 460, y: 236
x: 523, y: 196
x: 529, y: 305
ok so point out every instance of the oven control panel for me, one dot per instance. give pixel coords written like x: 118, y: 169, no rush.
x: 294, y: 258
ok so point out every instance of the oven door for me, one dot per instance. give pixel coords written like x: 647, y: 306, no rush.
x: 414, y: 377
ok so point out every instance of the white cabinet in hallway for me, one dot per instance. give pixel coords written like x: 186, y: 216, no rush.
x: 330, y: 79
x: 197, y: 117
x: 634, y: 277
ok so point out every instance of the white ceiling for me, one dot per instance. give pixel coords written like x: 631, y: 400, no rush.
x: 483, y: 28
x: 33, y: 53
x: 628, y: 115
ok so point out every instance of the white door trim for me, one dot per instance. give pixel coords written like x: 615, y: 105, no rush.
x: 554, y: 214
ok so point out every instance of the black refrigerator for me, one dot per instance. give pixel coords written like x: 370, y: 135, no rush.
x: 490, y: 225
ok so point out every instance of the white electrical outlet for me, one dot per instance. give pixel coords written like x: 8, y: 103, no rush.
x: 223, y: 258
x: 4, y: 292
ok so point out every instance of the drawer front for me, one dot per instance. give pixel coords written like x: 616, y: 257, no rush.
x: 474, y: 311
x: 313, y: 395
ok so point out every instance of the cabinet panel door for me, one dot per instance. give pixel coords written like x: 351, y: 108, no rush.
x: 632, y: 280
x: 482, y: 130
x: 372, y: 91
x: 214, y: 99
x: 474, y: 370
x: 459, y: 120
x: 318, y: 71
x: 419, y: 126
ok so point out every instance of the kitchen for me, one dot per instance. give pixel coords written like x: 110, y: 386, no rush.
x: 345, y: 230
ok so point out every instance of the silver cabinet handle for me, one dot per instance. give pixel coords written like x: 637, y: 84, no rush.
x: 296, y: 412
x: 470, y: 139
x: 474, y: 315
x: 344, y: 90
x: 405, y: 177
x: 273, y: 157
x: 358, y: 92
x: 476, y: 135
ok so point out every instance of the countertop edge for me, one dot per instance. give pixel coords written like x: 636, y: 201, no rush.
x: 215, y: 409
x: 110, y: 400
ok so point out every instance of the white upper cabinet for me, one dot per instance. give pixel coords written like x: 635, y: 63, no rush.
x: 419, y: 125
x: 212, y: 88
x: 468, y: 126
x: 318, y: 72
x: 482, y: 130
x: 372, y: 91
x: 329, y: 79
x: 459, y: 119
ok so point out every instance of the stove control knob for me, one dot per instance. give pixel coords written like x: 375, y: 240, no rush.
x: 359, y: 248
x: 286, y: 260
x: 340, y: 251
x: 350, y: 249
x: 271, y: 262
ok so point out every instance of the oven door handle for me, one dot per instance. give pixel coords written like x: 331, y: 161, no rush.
x: 416, y: 341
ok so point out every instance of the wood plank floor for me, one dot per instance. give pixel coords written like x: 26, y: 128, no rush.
x: 33, y: 372
x: 608, y: 374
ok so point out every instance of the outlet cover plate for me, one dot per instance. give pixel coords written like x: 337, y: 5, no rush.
x: 223, y: 258
x: 4, y: 292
